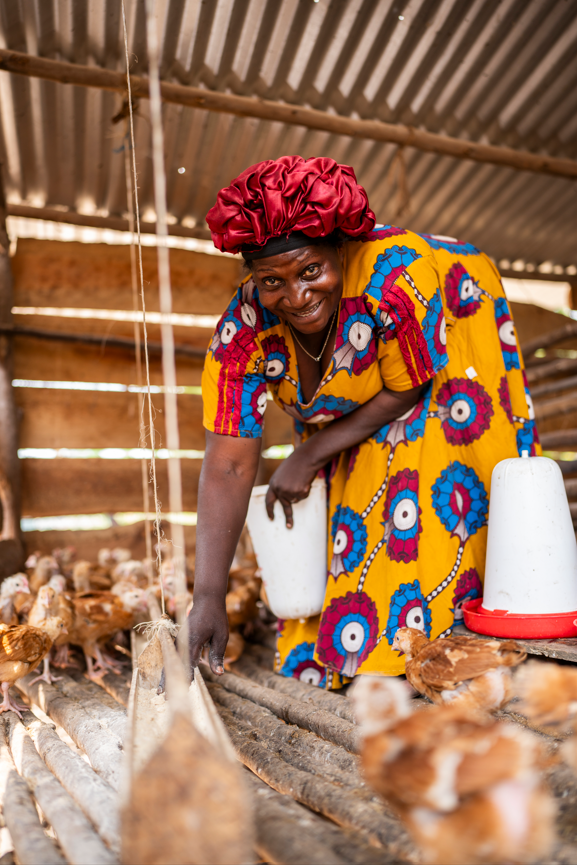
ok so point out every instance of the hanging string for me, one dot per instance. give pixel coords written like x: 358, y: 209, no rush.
x: 137, y: 349
x: 167, y: 334
x: 157, y: 510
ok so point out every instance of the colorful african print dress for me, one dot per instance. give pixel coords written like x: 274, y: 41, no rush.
x: 408, y: 507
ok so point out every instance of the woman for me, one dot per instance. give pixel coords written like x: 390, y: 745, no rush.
x: 396, y: 355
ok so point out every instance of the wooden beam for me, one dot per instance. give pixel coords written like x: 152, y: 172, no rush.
x: 115, y: 222
x: 564, y: 439
x: 11, y: 549
x: 554, y: 386
x: 92, y: 339
x: 549, y: 368
x: 568, y: 331
x: 245, y: 106
x: 557, y: 406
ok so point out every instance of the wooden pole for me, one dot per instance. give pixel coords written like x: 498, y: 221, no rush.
x: 555, y: 407
x: 554, y: 386
x: 116, y: 223
x: 567, y: 331
x: 11, y: 549
x: 559, y: 440
x: 102, y: 341
x: 553, y: 367
x: 245, y: 106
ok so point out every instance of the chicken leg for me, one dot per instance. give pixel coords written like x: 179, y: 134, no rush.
x: 10, y: 705
x: 46, y: 676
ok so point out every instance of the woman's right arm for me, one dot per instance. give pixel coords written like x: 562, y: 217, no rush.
x: 227, y: 477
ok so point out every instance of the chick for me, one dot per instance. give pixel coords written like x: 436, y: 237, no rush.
x: 444, y: 770
x: 65, y: 558
x: 64, y: 608
x: 88, y: 577
x: 548, y: 694
x: 462, y: 670
x: 97, y: 616
x: 510, y: 822
x: 45, y: 567
x: 22, y: 648
x: 234, y: 649
x: 10, y: 589
x: 43, y: 608
x: 132, y: 570
x: 241, y: 603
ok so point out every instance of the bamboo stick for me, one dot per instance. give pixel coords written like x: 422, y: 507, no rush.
x: 80, y: 843
x: 102, y: 749
x: 96, y: 798
x: 291, y: 834
x: 371, y: 819
x: 245, y: 106
x: 558, y: 406
x: 31, y: 844
x: 553, y: 367
x: 552, y: 338
x: 300, y: 748
x: 554, y: 386
x: 334, y: 703
x: 319, y: 721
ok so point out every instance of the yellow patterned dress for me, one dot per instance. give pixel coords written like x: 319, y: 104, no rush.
x: 407, y: 507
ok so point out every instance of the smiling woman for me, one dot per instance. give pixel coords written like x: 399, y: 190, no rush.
x: 397, y: 358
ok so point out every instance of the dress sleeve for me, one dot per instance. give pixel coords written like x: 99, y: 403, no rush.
x: 412, y: 327
x: 233, y: 381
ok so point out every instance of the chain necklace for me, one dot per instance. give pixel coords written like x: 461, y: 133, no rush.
x: 324, y: 344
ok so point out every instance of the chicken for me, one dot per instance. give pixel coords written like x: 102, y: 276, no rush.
x: 476, y: 673
x: 88, y: 577
x: 444, y: 769
x: 22, y: 648
x: 45, y: 567
x: 50, y: 603
x: 241, y: 603
x: 510, y: 822
x: 132, y: 570
x: 234, y: 649
x: 109, y: 558
x: 10, y: 589
x: 548, y: 694
x: 65, y: 609
x: 65, y: 558
x: 97, y: 616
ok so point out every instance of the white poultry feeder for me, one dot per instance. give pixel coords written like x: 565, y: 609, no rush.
x: 531, y: 568
x: 293, y: 561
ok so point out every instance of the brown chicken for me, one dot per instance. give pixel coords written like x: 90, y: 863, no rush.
x: 22, y: 648
x: 133, y: 571
x: 88, y: 577
x: 444, y: 769
x: 548, y: 694
x: 234, y: 649
x: 464, y: 670
x: 49, y: 603
x: 11, y: 589
x: 241, y: 603
x: 45, y: 567
x: 97, y: 616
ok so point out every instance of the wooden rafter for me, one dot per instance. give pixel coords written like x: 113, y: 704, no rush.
x: 244, y: 106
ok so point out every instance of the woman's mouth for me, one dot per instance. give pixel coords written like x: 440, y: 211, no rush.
x: 307, y: 312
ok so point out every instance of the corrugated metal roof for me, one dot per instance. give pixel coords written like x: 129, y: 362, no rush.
x: 498, y: 71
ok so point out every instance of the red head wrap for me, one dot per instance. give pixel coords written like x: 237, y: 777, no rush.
x: 315, y: 196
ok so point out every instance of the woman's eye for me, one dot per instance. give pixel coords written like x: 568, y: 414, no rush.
x: 270, y: 281
x: 312, y: 270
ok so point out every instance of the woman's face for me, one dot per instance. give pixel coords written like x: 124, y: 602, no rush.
x: 303, y: 286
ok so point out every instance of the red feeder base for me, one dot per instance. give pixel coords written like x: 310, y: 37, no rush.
x: 500, y: 623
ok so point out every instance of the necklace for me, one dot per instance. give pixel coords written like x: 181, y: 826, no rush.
x: 324, y: 344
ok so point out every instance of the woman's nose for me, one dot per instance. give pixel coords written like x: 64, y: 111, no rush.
x: 298, y: 296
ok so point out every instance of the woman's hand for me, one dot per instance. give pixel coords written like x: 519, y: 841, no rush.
x: 291, y: 483
x: 208, y: 624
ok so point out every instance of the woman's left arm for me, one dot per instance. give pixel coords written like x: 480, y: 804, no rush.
x: 292, y: 481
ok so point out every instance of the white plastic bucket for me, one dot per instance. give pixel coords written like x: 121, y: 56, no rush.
x: 531, y: 563
x: 293, y: 561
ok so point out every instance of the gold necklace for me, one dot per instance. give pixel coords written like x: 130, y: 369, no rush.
x: 324, y: 344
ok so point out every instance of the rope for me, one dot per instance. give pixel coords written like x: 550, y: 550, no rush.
x: 136, y: 308
x: 167, y: 334
x: 157, y: 510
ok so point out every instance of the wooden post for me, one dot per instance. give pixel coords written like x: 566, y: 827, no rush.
x: 11, y: 549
